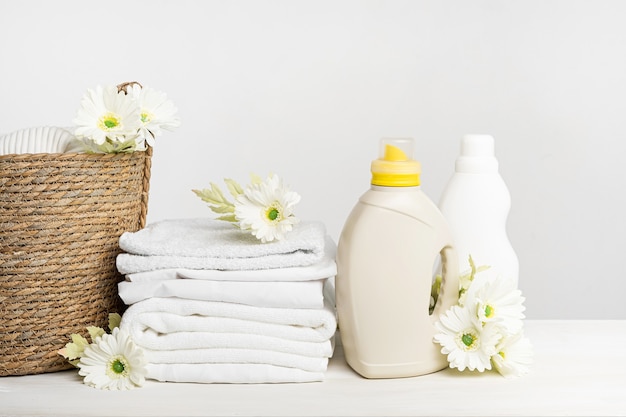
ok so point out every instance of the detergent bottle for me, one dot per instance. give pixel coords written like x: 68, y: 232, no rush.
x: 390, y: 244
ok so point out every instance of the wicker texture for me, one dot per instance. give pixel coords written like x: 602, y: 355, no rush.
x: 61, y: 216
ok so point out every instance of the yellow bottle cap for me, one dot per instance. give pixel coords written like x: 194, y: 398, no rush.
x: 395, y: 168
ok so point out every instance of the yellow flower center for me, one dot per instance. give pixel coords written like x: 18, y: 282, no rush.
x: 117, y: 367
x: 108, y: 121
x: 146, y: 117
x: 273, y: 213
x: 489, y: 311
x: 468, y: 340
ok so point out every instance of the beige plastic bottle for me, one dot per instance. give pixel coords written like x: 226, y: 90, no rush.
x: 386, y: 254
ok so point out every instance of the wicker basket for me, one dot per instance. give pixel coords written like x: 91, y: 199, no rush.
x: 61, y: 216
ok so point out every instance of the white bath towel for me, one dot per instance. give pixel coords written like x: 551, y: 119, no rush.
x: 326, y: 267
x: 216, y: 342
x: 303, y: 294
x: 174, y: 324
x: 213, y: 244
x: 232, y: 373
x: 42, y: 139
x: 237, y: 356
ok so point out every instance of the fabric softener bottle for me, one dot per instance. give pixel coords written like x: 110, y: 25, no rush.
x: 389, y: 246
x: 476, y: 204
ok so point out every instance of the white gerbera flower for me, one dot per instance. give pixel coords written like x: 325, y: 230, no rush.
x: 113, y: 362
x: 514, y: 355
x: 156, y: 112
x: 266, y: 209
x: 465, y: 340
x: 497, y: 299
x: 107, y: 114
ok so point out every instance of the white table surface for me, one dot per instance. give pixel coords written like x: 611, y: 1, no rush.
x: 579, y: 369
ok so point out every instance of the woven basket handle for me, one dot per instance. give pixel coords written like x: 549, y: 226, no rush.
x: 124, y: 86
x: 146, y: 187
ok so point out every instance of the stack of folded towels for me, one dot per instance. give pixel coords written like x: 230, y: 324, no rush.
x: 209, y: 303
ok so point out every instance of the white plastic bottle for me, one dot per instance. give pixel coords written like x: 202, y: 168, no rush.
x: 385, y: 258
x: 476, y: 204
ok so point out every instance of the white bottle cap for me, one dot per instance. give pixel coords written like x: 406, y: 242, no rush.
x: 477, y: 155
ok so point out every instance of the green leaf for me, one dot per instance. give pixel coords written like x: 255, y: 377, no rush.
x: 207, y: 196
x: 472, y: 266
x: 114, y: 320
x: 476, y: 269
x: 217, y: 202
x: 213, y: 195
x: 222, y: 209
x: 233, y: 187
x: 228, y: 218
x: 79, y: 339
x: 95, y: 332
x: 434, y: 291
x: 217, y: 192
x: 111, y: 146
x: 75, y: 349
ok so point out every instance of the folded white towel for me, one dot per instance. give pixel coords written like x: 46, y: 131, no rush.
x: 233, y: 373
x: 175, y: 324
x: 304, y: 294
x: 217, y: 342
x: 207, y: 243
x: 236, y: 356
x: 43, y: 139
x: 326, y: 267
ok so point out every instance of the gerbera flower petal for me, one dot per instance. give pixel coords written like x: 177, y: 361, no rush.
x: 113, y: 361
x: 156, y: 112
x: 465, y: 340
x: 497, y: 299
x: 514, y: 355
x: 106, y: 114
x: 266, y: 209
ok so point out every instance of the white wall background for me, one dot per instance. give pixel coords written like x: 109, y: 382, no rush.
x: 307, y: 88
